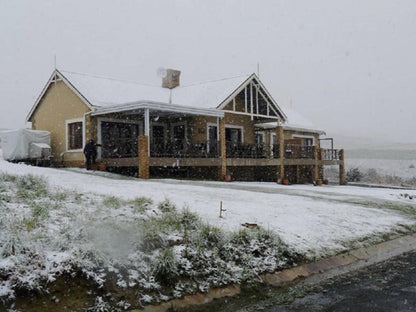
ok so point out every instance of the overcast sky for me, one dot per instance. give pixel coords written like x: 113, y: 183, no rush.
x: 348, y: 66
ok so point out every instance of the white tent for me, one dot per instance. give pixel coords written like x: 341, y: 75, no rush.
x: 19, y: 144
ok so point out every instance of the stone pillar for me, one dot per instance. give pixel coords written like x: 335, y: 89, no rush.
x: 280, y: 140
x: 321, y: 163
x: 143, y: 146
x: 316, y: 164
x: 341, y: 167
x: 223, y: 150
x: 88, y: 128
x: 298, y: 174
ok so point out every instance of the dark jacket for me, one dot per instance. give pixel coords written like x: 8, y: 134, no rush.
x: 90, y: 149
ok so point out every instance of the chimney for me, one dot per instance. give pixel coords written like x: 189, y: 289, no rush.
x: 171, y: 80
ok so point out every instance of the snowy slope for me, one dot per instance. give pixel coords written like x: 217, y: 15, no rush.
x: 311, y: 219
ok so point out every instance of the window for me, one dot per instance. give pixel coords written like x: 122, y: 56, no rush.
x: 233, y: 135
x: 308, y: 142
x: 119, y: 139
x: 75, y: 139
x: 259, y: 137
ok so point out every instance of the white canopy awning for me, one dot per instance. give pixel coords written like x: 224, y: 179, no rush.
x: 140, y: 106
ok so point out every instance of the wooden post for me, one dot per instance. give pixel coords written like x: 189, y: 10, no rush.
x: 316, y: 164
x: 280, y: 140
x: 341, y: 168
x: 223, y: 148
x: 143, y: 146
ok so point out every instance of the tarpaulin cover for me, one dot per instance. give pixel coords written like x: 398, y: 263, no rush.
x: 16, y: 143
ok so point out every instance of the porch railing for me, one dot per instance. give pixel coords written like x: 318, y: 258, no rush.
x: 185, y: 150
x: 243, y: 150
x: 119, y: 148
x: 331, y: 154
x: 298, y: 151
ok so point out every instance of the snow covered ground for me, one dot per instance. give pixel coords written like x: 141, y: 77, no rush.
x: 403, y: 168
x: 313, y: 220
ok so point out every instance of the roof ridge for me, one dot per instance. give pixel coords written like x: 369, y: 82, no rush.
x: 216, y: 80
x: 107, y: 78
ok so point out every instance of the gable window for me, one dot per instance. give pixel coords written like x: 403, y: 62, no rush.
x: 74, y: 135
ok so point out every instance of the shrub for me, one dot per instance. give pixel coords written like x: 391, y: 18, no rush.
x: 112, y: 202
x: 151, y: 237
x: 167, y: 206
x: 211, y: 236
x: 188, y: 219
x: 165, y: 269
x: 354, y: 175
x: 140, y: 204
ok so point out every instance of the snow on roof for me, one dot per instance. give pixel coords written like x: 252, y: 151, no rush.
x: 295, y: 121
x: 103, y: 92
x: 208, y: 94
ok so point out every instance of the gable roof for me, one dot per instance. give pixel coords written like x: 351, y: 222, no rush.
x: 102, y: 92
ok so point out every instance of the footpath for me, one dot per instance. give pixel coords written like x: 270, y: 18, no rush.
x: 309, y: 273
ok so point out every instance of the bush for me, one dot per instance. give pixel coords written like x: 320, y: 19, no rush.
x: 140, y: 204
x: 211, y: 236
x: 112, y: 202
x: 165, y: 269
x: 354, y: 175
x: 152, y: 238
x: 188, y: 219
x: 166, y: 206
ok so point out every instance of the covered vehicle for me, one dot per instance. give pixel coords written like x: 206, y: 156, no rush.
x: 26, y: 144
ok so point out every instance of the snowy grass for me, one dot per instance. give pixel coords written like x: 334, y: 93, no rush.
x: 158, y: 250
x: 120, y: 231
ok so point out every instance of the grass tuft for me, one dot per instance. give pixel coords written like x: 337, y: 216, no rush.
x: 112, y: 202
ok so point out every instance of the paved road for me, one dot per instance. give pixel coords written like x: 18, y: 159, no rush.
x: 388, y: 286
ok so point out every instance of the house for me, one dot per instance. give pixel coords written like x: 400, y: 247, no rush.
x: 228, y: 127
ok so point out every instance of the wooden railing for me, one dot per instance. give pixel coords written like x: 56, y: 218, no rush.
x: 332, y: 154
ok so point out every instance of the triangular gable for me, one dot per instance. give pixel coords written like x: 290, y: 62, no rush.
x: 251, y: 81
x: 57, y: 76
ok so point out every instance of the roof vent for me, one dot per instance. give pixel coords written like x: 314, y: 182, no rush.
x: 171, y: 79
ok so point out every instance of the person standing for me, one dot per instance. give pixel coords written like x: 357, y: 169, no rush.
x: 90, y: 152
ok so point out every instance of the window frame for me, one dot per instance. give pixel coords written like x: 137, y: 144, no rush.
x: 67, y: 134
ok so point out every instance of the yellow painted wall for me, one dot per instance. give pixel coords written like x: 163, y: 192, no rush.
x: 59, y: 104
